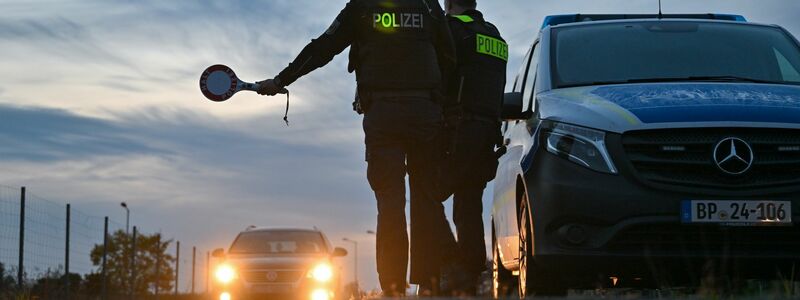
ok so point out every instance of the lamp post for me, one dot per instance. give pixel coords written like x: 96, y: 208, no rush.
x: 127, y: 217
x: 355, y: 266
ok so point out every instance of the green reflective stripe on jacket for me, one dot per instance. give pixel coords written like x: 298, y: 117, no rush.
x: 493, y: 47
x: 464, y: 18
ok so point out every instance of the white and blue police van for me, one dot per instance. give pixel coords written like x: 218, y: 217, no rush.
x: 646, y: 148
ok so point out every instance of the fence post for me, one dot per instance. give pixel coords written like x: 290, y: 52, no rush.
x: 194, y: 265
x: 105, y: 258
x: 158, y: 264
x: 132, y: 292
x: 21, y: 263
x: 177, y: 266
x: 66, y: 257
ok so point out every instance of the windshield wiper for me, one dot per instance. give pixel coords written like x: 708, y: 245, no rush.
x: 678, y: 79
x: 725, y: 78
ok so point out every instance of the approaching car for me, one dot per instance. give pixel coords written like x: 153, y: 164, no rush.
x: 278, y: 263
x: 644, y: 148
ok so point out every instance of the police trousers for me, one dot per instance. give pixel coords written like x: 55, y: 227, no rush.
x: 400, y: 132
x: 472, y: 163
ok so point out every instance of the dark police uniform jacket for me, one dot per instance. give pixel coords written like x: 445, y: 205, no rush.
x: 474, y: 102
x: 395, y: 45
x: 477, y: 85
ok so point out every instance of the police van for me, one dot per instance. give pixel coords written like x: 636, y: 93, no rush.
x: 646, y: 148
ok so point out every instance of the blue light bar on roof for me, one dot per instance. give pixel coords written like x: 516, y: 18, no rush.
x: 575, y: 18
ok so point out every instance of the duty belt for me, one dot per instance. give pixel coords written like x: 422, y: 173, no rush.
x: 400, y: 93
x: 481, y: 118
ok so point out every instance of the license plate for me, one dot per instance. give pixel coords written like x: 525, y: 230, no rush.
x: 273, y: 289
x: 736, y: 212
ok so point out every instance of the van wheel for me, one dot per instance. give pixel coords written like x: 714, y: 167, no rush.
x: 502, y: 279
x: 533, y: 280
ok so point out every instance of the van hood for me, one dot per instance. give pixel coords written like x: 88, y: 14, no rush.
x: 625, y: 107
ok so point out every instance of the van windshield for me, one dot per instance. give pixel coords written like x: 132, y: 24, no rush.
x: 279, y: 242
x: 656, y: 51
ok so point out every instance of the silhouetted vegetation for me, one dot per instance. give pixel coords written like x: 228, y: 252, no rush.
x: 53, y: 285
x: 149, y: 250
x: 6, y: 282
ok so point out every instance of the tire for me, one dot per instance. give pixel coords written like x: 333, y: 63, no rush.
x: 532, y: 279
x: 502, y: 279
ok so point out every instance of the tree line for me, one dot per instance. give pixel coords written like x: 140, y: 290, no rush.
x: 153, y: 266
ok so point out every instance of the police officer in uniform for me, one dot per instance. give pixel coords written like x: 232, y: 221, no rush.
x: 472, y: 114
x: 399, y: 50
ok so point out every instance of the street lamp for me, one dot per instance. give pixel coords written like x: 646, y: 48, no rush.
x: 127, y: 217
x: 355, y: 266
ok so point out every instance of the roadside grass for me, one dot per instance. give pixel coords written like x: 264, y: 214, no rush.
x: 746, y: 290
x: 28, y: 296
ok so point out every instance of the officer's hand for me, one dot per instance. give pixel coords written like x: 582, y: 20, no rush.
x: 269, y: 88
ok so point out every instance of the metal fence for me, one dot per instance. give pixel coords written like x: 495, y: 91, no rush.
x: 47, y: 249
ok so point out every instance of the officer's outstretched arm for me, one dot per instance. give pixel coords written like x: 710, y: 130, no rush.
x: 322, y: 49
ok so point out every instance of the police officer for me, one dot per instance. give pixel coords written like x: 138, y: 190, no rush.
x: 472, y: 113
x: 400, y: 50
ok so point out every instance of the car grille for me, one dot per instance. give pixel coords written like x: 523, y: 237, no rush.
x: 708, y: 239
x: 264, y: 276
x: 684, y: 157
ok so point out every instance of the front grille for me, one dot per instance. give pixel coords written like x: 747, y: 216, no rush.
x: 684, y: 157
x: 707, y: 239
x: 276, y: 277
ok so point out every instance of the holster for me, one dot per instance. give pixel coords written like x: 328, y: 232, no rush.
x: 358, y: 107
x: 362, y: 101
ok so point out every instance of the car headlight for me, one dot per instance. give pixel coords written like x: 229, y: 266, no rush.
x: 321, y: 273
x: 583, y: 146
x: 321, y: 294
x: 225, y: 274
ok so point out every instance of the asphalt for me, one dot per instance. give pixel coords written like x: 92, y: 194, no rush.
x: 620, y: 297
x: 636, y: 294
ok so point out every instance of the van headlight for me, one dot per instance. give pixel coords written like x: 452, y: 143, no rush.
x: 321, y: 273
x: 580, y: 145
x: 225, y: 274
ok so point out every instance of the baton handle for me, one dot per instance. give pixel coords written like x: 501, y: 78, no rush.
x: 246, y: 86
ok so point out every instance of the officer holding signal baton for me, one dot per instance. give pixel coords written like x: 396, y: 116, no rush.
x: 399, y: 50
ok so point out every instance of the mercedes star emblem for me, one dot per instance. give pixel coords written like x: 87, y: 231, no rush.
x: 733, y: 156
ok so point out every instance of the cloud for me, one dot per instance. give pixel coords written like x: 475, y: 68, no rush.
x: 181, y: 142
x: 51, y: 134
x: 60, y: 37
x: 189, y: 175
x: 160, y: 47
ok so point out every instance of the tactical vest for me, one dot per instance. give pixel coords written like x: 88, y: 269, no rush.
x: 481, y: 74
x: 395, y: 46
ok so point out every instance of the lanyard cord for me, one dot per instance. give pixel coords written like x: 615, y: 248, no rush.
x: 286, y: 114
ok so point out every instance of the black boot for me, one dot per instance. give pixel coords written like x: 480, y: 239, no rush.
x: 456, y: 281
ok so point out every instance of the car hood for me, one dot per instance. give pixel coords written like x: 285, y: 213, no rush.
x: 246, y: 262
x: 621, y: 108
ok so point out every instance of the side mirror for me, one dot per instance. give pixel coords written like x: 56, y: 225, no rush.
x: 512, y: 107
x: 339, y: 252
x: 218, y: 253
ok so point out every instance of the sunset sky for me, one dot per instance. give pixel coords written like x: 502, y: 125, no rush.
x: 99, y: 103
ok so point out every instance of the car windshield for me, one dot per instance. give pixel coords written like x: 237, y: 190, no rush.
x: 653, y: 51
x: 278, y: 242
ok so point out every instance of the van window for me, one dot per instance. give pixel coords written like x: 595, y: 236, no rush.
x: 530, y: 79
x: 647, y: 51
